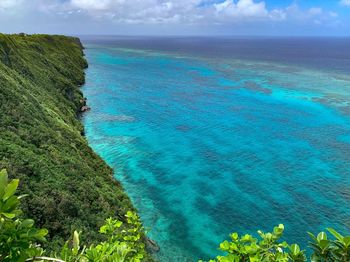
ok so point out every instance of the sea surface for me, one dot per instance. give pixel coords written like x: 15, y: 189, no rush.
x: 214, y: 135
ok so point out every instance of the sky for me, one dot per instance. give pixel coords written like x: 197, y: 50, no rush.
x: 177, y: 17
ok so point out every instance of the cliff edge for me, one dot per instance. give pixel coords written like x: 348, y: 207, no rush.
x: 69, y: 186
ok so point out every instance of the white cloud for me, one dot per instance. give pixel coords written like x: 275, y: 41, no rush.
x: 277, y: 14
x: 177, y: 11
x: 333, y: 14
x: 136, y: 11
x: 92, y: 4
x: 345, y: 2
x: 193, y: 11
x: 165, y: 12
x: 315, y: 11
x: 241, y: 9
x: 315, y: 14
x: 5, y: 4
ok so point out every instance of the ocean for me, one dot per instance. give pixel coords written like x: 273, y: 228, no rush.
x: 211, y: 136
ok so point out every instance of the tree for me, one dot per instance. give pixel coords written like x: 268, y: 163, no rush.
x: 18, y: 237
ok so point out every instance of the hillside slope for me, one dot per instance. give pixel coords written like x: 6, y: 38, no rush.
x: 69, y: 186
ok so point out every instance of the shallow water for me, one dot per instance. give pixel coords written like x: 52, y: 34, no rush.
x: 207, y: 145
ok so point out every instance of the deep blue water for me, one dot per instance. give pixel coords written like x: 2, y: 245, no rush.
x: 211, y: 136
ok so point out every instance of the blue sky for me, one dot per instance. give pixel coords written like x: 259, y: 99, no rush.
x: 177, y: 17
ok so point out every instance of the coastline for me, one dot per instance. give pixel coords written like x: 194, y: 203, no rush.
x: 41, y: 140
x: 151, y: 245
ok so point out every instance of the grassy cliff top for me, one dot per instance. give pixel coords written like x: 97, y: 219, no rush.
x: 69, y: 186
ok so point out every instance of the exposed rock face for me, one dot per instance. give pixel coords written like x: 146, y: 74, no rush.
x: 83, y: 101
x: 85, y: 109
x: 152, y: 246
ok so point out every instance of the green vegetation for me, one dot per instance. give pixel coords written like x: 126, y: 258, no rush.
x: 269, y: 248
x: 19, y: 238
x: 124, y: 243
x: 70, y: 187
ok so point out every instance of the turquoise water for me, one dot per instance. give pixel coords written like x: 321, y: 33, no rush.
x: 208, y: 146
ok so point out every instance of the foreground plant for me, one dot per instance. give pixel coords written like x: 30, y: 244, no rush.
x: 124, y: 243
x: 269, y: 248
x: 330, y: 250
x: 18, y: 237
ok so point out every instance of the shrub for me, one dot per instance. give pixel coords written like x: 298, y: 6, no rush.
x: 19, y: 238
x: 123, y: 243
x: 269, y: 248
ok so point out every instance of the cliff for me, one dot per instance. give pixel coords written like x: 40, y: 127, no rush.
x: 41, y: 141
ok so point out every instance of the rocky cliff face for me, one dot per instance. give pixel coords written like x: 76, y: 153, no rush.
x: 69, y: 186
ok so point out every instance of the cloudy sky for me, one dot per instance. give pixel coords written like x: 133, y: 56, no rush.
x: 177, y: 17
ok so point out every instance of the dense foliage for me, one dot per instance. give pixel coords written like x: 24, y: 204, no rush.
x: 270, y: 248
x: 41, y: 140
x: 19, y: 238
x: 124, y: 243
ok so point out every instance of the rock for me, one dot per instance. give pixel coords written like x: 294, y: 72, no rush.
x: 85, y: 109
x: 83, y: 101
x: 152, y: 245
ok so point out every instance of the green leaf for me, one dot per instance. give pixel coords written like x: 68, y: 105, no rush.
x: 225, y: 246
x: 279, y: 229
x: 27, y: 223
x: 268, y: 236
x: 10, y: 204
x: 335, y: 234
x: 321, y: 236
x: 10, y: 189
x: 38, y: 234
x: 229, y: 258
x: 314, y: 258
x: 129, y: 214
x: 234, y: 236
x: 346, y: 241
x: 76, y: 240
x: 261, y: 234
x: 22, y: 196
x: 3, y: 182
x: 284, y: 244
x: 246, y: 238
x: 324, y: 243
x: 312, y: 236
x: 295, y: 249
x: 9, y: 215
